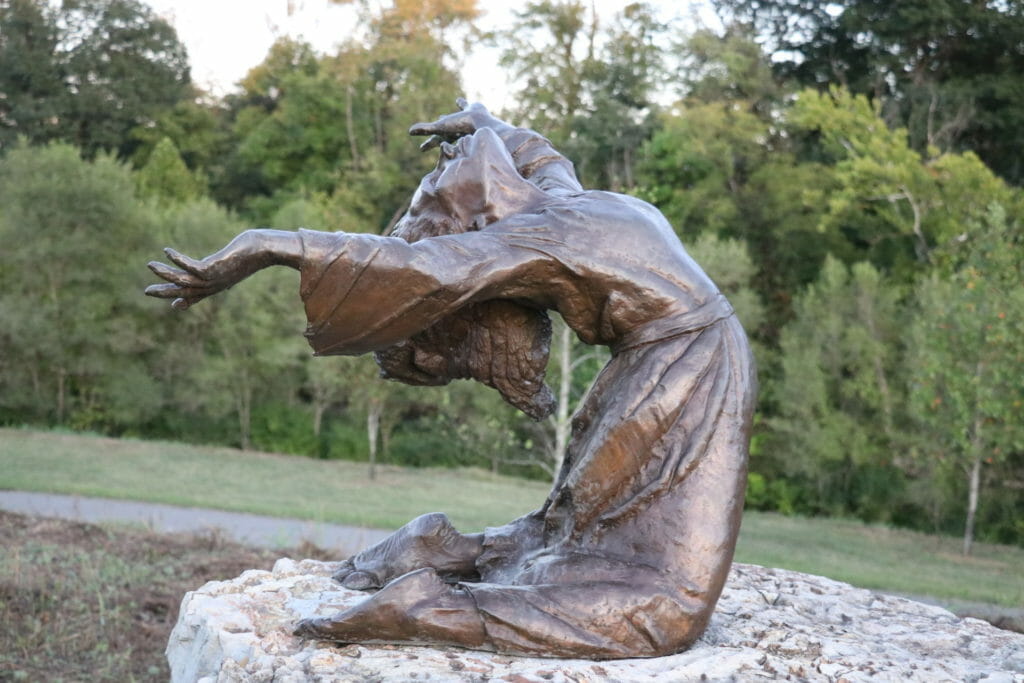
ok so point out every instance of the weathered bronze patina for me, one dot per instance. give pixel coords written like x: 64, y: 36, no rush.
x: 629, y: 553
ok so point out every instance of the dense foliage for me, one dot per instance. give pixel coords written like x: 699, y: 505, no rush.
x: 856, y: 199
x: 89, y: 72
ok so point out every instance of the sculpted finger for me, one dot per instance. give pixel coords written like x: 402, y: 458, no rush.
x: 461, y: 103
x: 431, y: 142
x: 178, y: 277
x: 163, y: 291
x: 184, y: 303
x: 456, y: 125
x: 172, y: 291
x: 423, y: 128
x: 186, y: 263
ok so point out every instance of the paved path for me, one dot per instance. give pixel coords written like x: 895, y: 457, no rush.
x: 275, y: 532
x: 258, y: 530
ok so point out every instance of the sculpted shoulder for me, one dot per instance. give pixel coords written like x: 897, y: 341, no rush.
x: 617, y: 214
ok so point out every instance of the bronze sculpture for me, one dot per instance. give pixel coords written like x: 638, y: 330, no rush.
x: 629, y: 553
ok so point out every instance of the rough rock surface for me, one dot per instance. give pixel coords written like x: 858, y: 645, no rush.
x: 769, y: 624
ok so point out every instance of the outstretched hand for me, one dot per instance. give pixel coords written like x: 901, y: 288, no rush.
x: 469, y: 119
x: 194, y: 280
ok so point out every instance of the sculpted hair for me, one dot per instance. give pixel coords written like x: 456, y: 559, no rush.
x: 499, y: 343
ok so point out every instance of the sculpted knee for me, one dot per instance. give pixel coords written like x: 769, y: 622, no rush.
x: 665, y: 625
x: 432, y: 524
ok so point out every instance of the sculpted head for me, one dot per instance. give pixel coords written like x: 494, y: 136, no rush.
x: 499, y: 343
x: 474, y: 184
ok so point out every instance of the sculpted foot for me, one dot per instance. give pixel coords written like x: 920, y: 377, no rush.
x: 417, y: 608
x: 427, y: 541
x: 382, y: 616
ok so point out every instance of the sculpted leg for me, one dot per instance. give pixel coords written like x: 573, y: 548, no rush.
x: 416, y: 608
x: 428, y: 541
x: 600, y: 620
x: 593, y: 619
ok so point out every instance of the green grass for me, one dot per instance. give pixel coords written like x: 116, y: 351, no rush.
x: 281, y: 486
x: 892, y: 560
x: 868, y: 556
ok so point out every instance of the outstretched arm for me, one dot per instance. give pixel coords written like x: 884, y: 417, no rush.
x: 365, y: 292
x: 194, y: 280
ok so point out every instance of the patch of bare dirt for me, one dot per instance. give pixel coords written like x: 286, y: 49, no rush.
x: 81, y: 602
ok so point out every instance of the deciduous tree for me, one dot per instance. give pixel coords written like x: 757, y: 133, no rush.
x: 967, y: 354
x: 69, y: 283
x: 590, y: 89
x: 889, y: 203
x: 87, y: 72
x: 166, y: 178
x: 839, y: 400
x: 946, y: 70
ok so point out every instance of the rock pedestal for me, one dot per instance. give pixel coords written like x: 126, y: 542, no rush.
x: 769, y: 624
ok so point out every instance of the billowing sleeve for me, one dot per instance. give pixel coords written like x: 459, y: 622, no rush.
x: 539, y: 162
x: 365, y: 292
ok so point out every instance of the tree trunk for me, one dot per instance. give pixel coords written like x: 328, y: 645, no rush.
x: 319, y: 408
x: 243, y: 402
x: 562, y: 416
x: 245, y: 420
x: 36, y: 382
x: 385, y: 435
x: 974, y: 473
x: 350, y: 129
x: 921, y: 243
x: 886, y: 396
x: 378, y: 124
x: 627, y: 167
x: 974, y: 484
x: 867, y: 312
x: 396, y: 216
x: 61, y: 394
x: 372, y: 432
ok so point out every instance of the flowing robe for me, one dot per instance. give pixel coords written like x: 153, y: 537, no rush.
x: 629, y: 553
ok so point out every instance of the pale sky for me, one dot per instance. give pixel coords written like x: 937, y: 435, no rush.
x: 225, y: 38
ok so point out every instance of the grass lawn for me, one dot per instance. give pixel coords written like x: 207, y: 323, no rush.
x: 262, y: 483
x: 892, y: 560
x: 334, y: 491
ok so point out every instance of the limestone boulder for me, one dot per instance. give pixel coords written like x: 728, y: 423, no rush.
x: 770, y: 624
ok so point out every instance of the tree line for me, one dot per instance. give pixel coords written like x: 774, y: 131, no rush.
x: 849, y: 176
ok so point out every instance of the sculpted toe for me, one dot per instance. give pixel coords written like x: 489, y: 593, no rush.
x: 359, y: 581
x: 309, y: 628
